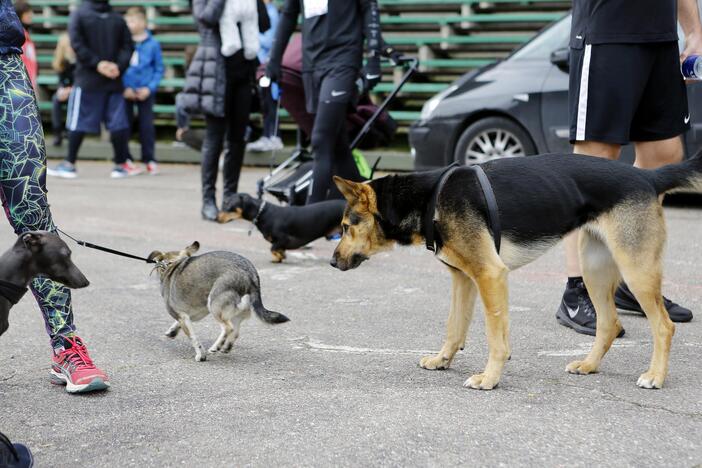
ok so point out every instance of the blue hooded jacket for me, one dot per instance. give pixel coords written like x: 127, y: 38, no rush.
x: 11, y: 30
x: 146, y: 66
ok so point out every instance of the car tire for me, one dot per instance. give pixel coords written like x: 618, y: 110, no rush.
x: 490, y: 139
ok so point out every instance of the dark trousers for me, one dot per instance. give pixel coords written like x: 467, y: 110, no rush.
x: 233, y: 125
x: 57, y: 115
x: 269, y: 109
x: 147, y: 131
x: 332, y: 155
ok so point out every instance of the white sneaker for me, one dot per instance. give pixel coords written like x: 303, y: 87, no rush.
x: 275, y: 143
x: 259, y: 145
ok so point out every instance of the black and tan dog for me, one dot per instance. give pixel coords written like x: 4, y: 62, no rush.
x: 540, y: 199
x: 287, y: 227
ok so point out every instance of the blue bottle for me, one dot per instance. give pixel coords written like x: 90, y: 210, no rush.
x: 692, y: 67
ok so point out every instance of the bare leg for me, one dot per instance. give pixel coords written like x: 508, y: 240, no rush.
x: 600, y: 150
x: 463, y: 297
x: 654, y: 154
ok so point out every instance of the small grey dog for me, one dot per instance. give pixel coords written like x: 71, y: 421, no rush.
x: 35, y: 253
x: 221, y: 283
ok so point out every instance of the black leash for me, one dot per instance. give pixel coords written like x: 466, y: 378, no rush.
x: 490, y: 200
x: 104, y: 249
x: 11, y: 291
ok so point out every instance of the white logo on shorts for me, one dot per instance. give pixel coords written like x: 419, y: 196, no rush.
x: 687, y: 118
x: 337, y: 93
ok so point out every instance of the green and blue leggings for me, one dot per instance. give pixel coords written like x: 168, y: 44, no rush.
x: 23, y: 184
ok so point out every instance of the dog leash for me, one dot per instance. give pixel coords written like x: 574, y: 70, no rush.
x: 431, y: 235
x: 104, y: 249
x: 254, y: 221
x: 11, y: 291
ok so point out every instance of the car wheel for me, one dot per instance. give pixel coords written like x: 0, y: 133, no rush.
x: 490, y: 139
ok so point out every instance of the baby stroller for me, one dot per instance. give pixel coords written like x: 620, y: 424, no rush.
x: 371, y: 125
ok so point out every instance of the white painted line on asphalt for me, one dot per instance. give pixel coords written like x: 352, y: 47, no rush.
x: 303, y: 343
x: 584, y: 348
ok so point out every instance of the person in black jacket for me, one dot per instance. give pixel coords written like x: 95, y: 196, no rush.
x: 332, y: 55
x: 103, y: 46
x: 220, y: 87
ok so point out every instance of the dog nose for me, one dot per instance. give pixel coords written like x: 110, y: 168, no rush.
x: 333, y: 261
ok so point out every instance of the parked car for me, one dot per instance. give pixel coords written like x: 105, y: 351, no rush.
x: 515, y: 107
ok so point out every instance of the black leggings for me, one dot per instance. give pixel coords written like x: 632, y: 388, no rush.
x: 332, y: 155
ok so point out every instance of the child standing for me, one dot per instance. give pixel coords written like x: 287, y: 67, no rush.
x: 141, y: 81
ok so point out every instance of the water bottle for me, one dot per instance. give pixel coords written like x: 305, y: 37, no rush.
x: 692, y: 67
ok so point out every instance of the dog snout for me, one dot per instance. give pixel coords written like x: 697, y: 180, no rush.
x: 334, y: 262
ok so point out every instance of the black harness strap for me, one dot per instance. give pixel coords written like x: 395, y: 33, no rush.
x: 254, y: 221
x: 430, y: 233
x: 12, y: 292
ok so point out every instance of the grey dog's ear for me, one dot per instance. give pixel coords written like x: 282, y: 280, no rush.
x: 192, y: 248
x: 155, y: 256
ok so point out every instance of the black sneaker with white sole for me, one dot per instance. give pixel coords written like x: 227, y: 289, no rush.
x: 625, y: 300
x: 577, y: 311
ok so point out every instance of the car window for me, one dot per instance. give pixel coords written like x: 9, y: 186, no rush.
x: 540, y: 48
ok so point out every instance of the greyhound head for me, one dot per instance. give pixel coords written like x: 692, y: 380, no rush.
x: 48, y: 255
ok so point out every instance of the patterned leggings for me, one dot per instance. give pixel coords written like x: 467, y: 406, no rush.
x: 23, y: 184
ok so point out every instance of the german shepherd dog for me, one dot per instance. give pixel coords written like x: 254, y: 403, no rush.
x: 540, y: 199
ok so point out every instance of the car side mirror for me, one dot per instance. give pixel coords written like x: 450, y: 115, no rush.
x: 561, y: 59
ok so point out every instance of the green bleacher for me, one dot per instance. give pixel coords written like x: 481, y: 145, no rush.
x: 450, y: 37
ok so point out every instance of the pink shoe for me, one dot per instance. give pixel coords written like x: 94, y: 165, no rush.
x: 131, y: 168
x: 152, y: 167
x: 73, y: 368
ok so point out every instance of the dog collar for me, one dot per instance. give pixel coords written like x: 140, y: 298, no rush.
x: 12, y: 292
x: 432, y: 238
x: 258, y: 215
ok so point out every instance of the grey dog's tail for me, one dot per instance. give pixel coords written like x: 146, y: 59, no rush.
x: 264, y: 314
x: 679, y: 177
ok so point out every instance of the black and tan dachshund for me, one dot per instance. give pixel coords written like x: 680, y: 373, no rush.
x: 287, y: 227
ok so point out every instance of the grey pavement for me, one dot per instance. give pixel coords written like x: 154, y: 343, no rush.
x: 340, y: 384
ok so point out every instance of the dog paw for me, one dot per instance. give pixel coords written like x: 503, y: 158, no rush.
x: 481, y: 382
x: 650, y: 380
x: 438, y: 362
x: 213, y: 350
x: 200, y: 356
x: 581, y: 367
x: 227, y: 348
x: 171, y: 333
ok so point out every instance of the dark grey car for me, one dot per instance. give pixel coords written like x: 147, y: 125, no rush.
x: 515, y: 107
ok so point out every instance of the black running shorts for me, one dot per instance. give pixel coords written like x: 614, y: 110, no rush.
x: 626, y: 92
x: 337, y: 85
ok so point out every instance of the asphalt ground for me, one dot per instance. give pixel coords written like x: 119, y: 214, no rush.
x: 339, y: 385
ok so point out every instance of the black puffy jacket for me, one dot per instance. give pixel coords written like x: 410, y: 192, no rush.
x: 98, y: 33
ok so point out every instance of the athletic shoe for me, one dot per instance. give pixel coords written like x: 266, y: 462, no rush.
x: 624, y: 299
x: 152, y: 167
x: 259, y: 145
x: 132, y: 168
x: 275, y: 144
x: 125, y: 170
x: 73, y: 368
x: 577, y: 312
x: 64, y: 169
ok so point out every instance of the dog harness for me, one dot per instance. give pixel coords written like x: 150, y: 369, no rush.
x: 12, y: 292
x: 432, y: 237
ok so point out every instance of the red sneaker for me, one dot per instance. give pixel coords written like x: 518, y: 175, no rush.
x: 73, y: 368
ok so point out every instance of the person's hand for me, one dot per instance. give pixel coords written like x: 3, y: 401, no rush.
x: 129, y: 94
x: 371, y: 72
x: 693, y: 45
x: 108, y: 69
x: 143, y: 93
x: 63, y: 93
x: 273, y: 70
